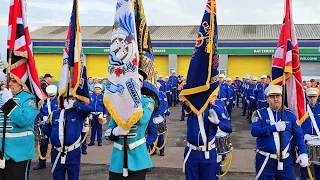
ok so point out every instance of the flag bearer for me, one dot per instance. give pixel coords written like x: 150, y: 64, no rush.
x: 266, y: 125
x: 76, y: 112
x: 199, y: 163
x: 20, y: 106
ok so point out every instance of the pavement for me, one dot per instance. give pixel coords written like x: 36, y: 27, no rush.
x: 95, y: 164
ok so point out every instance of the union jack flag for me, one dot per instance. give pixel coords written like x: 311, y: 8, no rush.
x: 287, y: 63
x: 22, y: 67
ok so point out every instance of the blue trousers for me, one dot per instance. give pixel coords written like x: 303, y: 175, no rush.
x: 96, y: 129
x: 174, y: 97
x: 229, y: 108
x: 199, y: 168
x: 244, y: 105
x: 183, y: 114
x: 84, y: 144
x: 72, y: 166
x: 238, y: 99
x: 304, y: 172
x: 252, y: 108
x: 169, y: 98
x: 261, y: 104
x: 270, y: 170
x: 43, y: 150
x: 160, y: 142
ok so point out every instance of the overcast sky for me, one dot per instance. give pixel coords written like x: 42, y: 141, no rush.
x: 161, y: 12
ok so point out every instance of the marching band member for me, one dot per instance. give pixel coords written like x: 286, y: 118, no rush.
x: 232, y: 95
x: 252, y: 102
x: 98, y: 109
x: 168, y: 90
x: 151, y: 135
x: 238, y: 84
x: 310, y: 127
x: 224, y: 91
x: 198, y: 162
x: 174, y: 90
x: 261, y: 97
x: 20, y: 106
x: 138, y: 156
x: 77, y: 112
x: 266, y: 124
x: 162, y: 111
x: 49, y: 105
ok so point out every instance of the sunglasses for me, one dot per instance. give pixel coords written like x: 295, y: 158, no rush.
x: 312, y: 96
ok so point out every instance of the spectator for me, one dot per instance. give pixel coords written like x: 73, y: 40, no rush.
x: 90, y: 85
x: 104, y: 84
x: 96, y: 81
x: 47, y: 79
x: 308, y: 84
x: 313, y: 83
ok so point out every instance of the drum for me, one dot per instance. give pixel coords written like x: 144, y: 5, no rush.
x: 223, y: 143
x: 314, y: 151
x: 161, y: 124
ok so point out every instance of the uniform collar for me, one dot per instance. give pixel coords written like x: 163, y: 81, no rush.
x: 18, y: 92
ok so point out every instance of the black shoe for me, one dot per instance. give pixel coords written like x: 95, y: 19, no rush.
x: 154, y: 153
x: 91, y: 144
x: 181, y: 119
x: 99, y: 144
x: 243, y: 114
x: 161, y: 153
x: 39, y: 167
x: 84, y: 152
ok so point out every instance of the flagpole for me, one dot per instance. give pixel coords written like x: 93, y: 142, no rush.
x: 5, y: 115
x: 280, y: 160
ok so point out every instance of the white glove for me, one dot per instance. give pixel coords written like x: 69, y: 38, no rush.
x: 307, y: 137
x: 118, y: 131
x: 68, y: 105
x: 45, y: 118
x: 6, y: 95
x: 248, y: 102
x: 280, y: 126
x: 303, y: 160
x: 213, y: 117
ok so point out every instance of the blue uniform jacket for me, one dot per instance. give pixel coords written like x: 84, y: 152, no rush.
x: 232, y: 93
x: 251, y: 93
x: 263, y: 131
x: 44, y: 109
x: 193, y: 130
x: 259, y: 91
x: 96, y: 104
x: 223, y: 93
x: 138, y: 158
x: 75, y: 121
x: 162, y: 87
x: 307, y: 127
x: 243, y: 88
x: 21, y: 111
x: 168, y: 87
x: 239, y: 84
x: 152, y: 131
x: 163, y: 105
x: 174, y: 81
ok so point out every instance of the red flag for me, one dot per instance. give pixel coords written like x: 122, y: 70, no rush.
x: 23, y: 68
x: 286, y: 60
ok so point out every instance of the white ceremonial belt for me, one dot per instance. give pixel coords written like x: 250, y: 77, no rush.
x: 96, y: 113
x: 167, y: 91
x: 21, y: 134
x: 273, y: 156
x: 262, y: 100
x: 223, y: 99
x: 72, y: 147
x: 212, y: 145
x: 131, y: 146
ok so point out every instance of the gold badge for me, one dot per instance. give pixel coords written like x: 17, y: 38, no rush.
x: 150, y: 106
x: 255, y: 119
x: 224, y: 116
x: 32, y: 103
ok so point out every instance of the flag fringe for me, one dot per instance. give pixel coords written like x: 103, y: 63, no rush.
x: 131, y: 121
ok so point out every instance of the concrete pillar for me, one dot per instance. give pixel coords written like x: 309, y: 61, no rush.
x: 173, y: 63
x: 223, y: 64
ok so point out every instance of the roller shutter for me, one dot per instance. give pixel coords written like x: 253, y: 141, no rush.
x: 183, y: 65
x: 252, y: 65
x: 49, y: 63
x: 97, y: 65
x: 161, y: 65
